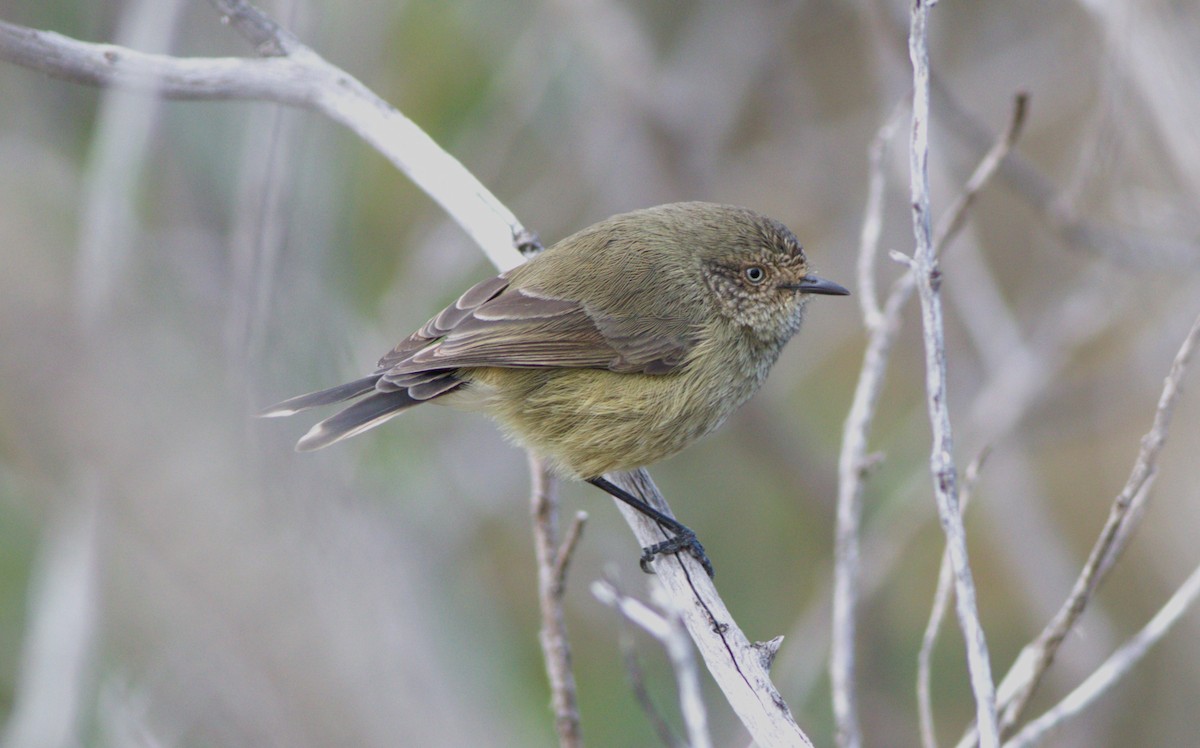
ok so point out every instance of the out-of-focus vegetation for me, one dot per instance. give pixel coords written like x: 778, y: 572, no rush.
x: 383, y: 592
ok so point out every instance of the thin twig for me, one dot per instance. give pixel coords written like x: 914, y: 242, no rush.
x: 937, y: 613
x: 955, y: 216
x: 941, y: 461
x: 1114, y: 668
x: 669, y: 630
x: 1026, y: 673
x: 872, y: 225
x: 552, y: 565
x: 641, y: 694
x: 853, y: 458
x: 566, y: 549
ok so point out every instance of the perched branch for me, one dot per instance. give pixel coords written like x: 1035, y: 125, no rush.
x: 1026, y: 673
x: 736, y: 664
x: 941, y: 461
x: 669, y: 631
x: 1114, y: 668
x: 552, y: 561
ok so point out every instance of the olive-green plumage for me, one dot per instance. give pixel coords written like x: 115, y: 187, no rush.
x: 613, y: 349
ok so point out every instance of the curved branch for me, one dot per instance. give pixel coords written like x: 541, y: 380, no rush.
x: 301, y: 79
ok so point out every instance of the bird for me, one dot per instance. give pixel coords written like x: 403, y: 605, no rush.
x: 612, y: 350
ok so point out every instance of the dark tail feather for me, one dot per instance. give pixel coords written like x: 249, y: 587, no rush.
x: 364, y: 414
x: 332, y: 395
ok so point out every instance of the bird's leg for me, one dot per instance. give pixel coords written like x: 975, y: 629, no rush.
x: 684, y: 538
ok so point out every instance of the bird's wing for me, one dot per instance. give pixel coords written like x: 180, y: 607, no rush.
x: 495, y: 325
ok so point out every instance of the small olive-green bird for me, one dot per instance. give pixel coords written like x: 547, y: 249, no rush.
x: 612, y: 350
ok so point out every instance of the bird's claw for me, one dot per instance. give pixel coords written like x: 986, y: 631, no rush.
x: 684, y: 541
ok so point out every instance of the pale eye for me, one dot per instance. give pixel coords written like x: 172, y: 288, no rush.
x: 755, y: 274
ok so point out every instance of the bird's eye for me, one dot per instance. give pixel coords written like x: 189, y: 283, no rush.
x: 755, y: 274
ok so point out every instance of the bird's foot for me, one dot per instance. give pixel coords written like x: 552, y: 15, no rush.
x: 682, y: 541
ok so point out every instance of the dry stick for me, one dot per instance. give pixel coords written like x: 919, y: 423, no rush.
x: 1026, y: 673
x: 1114, y: 668
x: 1080, y: 317
x: 302, y: 78
x: 941, y: 461
x: 941, y: 603
x: 641, y: 694
x: 854, y: 460
x: 552, y: 561
x: 1003, y: 402
x: 670, y: 632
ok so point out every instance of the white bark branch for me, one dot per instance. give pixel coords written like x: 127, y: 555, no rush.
x: 854, y: 460
x: 941, y: 462
x: 1114, y: 668
x: 937, y: 614
x: 1035, y: 659
x: 302, y: 79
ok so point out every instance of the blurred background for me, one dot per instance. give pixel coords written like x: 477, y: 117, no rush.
x: 173, y: 574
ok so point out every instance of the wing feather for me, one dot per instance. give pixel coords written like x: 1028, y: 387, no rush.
x: 498, y: 326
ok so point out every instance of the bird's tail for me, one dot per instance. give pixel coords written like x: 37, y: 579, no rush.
x: 367, y: 413
x: 364, y: 414
x: 342, y: 392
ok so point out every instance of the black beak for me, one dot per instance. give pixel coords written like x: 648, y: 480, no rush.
x: 813, y: 284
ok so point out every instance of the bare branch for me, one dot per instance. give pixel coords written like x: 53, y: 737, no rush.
x: 637, y: 681
x: 1121, y: 245
x: 670, y: 632
x: 941, y: 463
x: 937, y: 613
x: 883, y: 325
x: 268, y: 37
x: 302, y: 79
x: 566, y: 549
x: 853, y: 459
x: 872, y: 225
x: 552, y: 565
x: 955, y: 216
x: 1114, y: 668
x: 1026, y: 673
